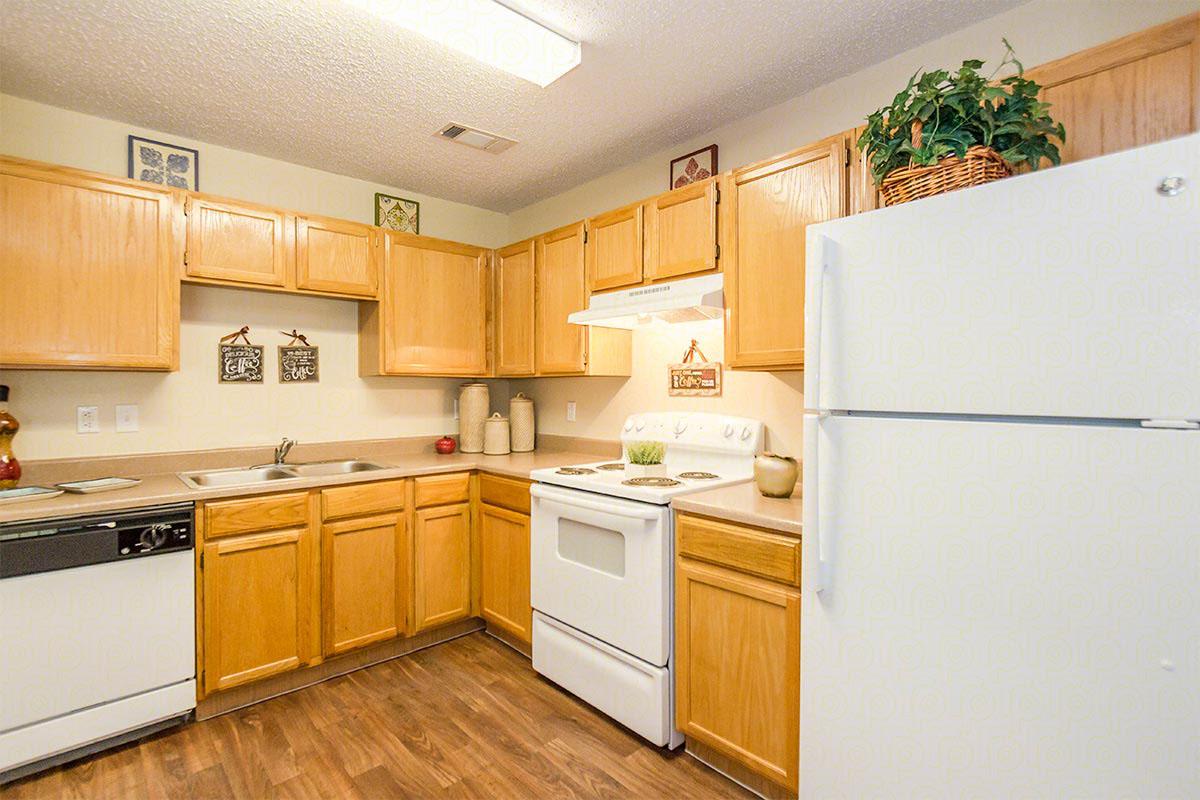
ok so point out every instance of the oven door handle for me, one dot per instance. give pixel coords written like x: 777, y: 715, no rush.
x: 577, y: 499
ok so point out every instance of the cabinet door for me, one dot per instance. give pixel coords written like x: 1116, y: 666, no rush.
x: 258, y: 606
x: 614, y: 249
x: 504, y: 581
x: 1132, y: 91
x: 334, y: 255
x: 514, y: 267
x: 434, y: 307
x: 237, y: 242
x: 363, y: 575
x: 441, y: 565
x: 681, y: 231
x: 561, y: 289
x: 772, y: 205
x: 88, y: 270
x: 864, y: 194
x: 737, y: 650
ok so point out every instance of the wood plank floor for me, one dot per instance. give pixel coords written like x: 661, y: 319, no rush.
x: 466, y: 719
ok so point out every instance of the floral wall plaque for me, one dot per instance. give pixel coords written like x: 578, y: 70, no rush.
x: 164, y: 164
x: 397, y: 214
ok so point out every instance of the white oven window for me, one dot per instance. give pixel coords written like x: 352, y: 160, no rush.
x: 601, y: 549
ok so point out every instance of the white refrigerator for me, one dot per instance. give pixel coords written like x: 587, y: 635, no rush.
x: 1001, y: 553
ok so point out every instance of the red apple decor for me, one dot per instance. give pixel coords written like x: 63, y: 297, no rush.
x: 445, y: 445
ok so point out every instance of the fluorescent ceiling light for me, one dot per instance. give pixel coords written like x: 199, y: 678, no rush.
x: 486, y: 31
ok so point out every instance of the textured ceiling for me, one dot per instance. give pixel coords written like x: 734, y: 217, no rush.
x: 322, y: 83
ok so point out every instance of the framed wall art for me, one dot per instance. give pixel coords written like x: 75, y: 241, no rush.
x: 694, y: 166
x: 164, y: 164
x: 397, y: 213
x: 239, y: 363
x: 299, y: 363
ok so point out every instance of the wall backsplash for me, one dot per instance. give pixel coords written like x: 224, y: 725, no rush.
x: 190, y: 410
x: 602, y: 404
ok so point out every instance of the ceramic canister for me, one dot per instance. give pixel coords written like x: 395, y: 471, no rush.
x: 495, y: 436
x: 521, y: 423
x: 473, y: 404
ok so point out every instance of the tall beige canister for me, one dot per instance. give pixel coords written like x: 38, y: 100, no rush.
x: 520, y: 420
x: 472, y: 411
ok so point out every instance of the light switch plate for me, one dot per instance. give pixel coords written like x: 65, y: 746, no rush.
x: 127, y: 419
x: 87, y: 419
x: 570, y: 411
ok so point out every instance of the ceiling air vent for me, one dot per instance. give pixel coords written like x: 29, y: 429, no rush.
x: 473, y: 137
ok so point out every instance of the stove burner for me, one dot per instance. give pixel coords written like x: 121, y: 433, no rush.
x: 698, y: 476
x: 617, y: 465
x: 658, y: 483
x: 575, y: 471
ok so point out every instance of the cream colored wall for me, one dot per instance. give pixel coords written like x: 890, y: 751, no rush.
x: 45, y: 133
x: 1039, y: 31
x: 187, y: 409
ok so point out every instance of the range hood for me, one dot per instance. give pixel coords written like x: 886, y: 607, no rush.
x: 687, y: 300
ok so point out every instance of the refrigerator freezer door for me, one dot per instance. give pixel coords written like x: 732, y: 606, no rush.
x: 1071, y: 292
x: 1012, y: 611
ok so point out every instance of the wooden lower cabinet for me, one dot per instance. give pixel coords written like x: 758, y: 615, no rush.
x: 364, y: 564
x: 441, y: 565
x: 259, y: 606
x: 504, y: 574
x: 737, y: 650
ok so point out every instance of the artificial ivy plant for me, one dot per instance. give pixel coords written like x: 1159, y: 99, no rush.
x: 959, y: 110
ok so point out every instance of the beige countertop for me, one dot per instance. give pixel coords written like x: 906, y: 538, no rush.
x: 742, y: 503
x: 162, y: 485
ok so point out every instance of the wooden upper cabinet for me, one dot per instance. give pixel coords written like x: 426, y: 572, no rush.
x: 864, y: 194
x: 89, y: 270
x: 561, y: 289
x: 769, y: 209
x: 432, y: 315
x: 614, y: 248
x: 1136, y: 90
x: 514, y: 309
x: 333, y: 255
x: 681, y: 231
x: 238, y: 242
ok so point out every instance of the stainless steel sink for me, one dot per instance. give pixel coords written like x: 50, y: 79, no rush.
x: 234, y: 477
x: 239, y: 476
x: 317, y: 468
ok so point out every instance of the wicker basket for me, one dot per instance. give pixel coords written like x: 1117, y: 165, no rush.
x: 981, y: 165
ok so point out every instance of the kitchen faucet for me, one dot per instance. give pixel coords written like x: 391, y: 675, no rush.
x: 281, y: 452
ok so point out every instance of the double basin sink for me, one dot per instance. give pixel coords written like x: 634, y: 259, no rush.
x: 239, y: 476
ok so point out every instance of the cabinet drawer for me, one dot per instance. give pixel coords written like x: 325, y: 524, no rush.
x: 505, y: 492
x: 755, y: 552
x: 436, y: 490
x: 255, y: 514
x: 362, y: 498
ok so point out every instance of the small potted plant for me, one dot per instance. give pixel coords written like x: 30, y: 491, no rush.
x: 947, y: 131
x: 645, y: 459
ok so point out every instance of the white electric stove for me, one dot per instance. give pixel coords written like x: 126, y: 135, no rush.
x: 602, y: 558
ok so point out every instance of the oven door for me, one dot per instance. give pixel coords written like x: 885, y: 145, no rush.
x: 602, y: 565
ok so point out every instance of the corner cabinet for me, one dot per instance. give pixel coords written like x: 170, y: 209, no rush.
x: 76, y: 246
x: 513, y: 301
x: 431, y: 318
x: 562, y: 348
x: 770, y: 206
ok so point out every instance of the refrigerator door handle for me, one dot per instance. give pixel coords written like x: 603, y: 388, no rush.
x: 814, y: 333
x: 823, y: 577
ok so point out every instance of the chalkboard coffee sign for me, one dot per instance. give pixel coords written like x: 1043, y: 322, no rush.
x: 298, y: 363
x: 694, y: 378
x: 239, y: 363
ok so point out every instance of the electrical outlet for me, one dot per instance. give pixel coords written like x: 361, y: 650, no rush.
x: 127, y: 419
x: 87, y: 419
x: 570, y: 411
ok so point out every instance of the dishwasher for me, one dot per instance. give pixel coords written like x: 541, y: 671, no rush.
x: 97, y: 632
